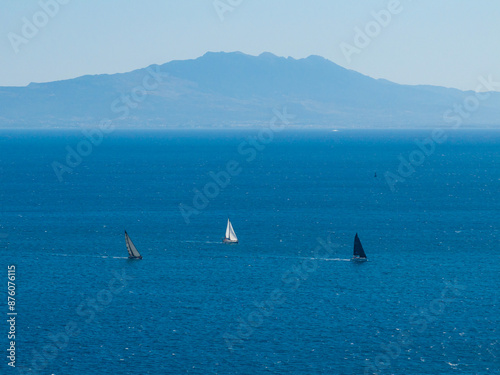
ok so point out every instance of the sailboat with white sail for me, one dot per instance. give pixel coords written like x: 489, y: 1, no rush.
x: 230, y: 235
x: 359, y: 252
x: 132, y: 250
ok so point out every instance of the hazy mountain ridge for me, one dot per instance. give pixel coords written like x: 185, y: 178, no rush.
x: 234, y: 89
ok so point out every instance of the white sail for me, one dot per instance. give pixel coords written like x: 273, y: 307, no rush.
x: 230, y: 232
x: 132, y: 250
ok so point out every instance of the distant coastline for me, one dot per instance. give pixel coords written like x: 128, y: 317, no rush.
x: 234, y: 90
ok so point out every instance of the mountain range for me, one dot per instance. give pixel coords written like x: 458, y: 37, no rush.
x: 233, y: 89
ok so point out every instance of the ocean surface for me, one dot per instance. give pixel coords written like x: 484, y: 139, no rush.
x: 286, y: 299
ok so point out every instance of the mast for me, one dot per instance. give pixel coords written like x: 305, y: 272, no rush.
x: 228, y: 232
x: 128, y: 246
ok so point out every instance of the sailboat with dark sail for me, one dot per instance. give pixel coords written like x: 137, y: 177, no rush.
x: 359, y: 253
x: 230, y: 235
x: 132, y: 250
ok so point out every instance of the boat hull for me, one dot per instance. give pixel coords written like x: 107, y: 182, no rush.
x: 358, y: 260
x: 135, y: 257
x: 227, y: 240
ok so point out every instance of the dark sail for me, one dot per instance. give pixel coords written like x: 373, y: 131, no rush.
x: 358, y: 248
x: 132, y: 250
x: 128, y: 247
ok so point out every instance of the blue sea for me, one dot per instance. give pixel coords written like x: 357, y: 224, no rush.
x: 285, y: 299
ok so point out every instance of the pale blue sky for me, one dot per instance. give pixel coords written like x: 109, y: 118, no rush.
x: 440, y: 42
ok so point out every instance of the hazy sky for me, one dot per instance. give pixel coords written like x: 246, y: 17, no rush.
x: 440, y: 42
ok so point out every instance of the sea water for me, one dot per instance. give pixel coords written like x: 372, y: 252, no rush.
x: 286, y: 299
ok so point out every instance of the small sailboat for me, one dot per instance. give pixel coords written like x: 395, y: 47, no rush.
x: 230, y: 235
x: 132, y: 250
x: 359, y: 253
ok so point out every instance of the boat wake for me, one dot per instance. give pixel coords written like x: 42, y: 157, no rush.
x: 339, y: 260
x: 86, y: 256
x: 189, y: 241
x: 331, y: 259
